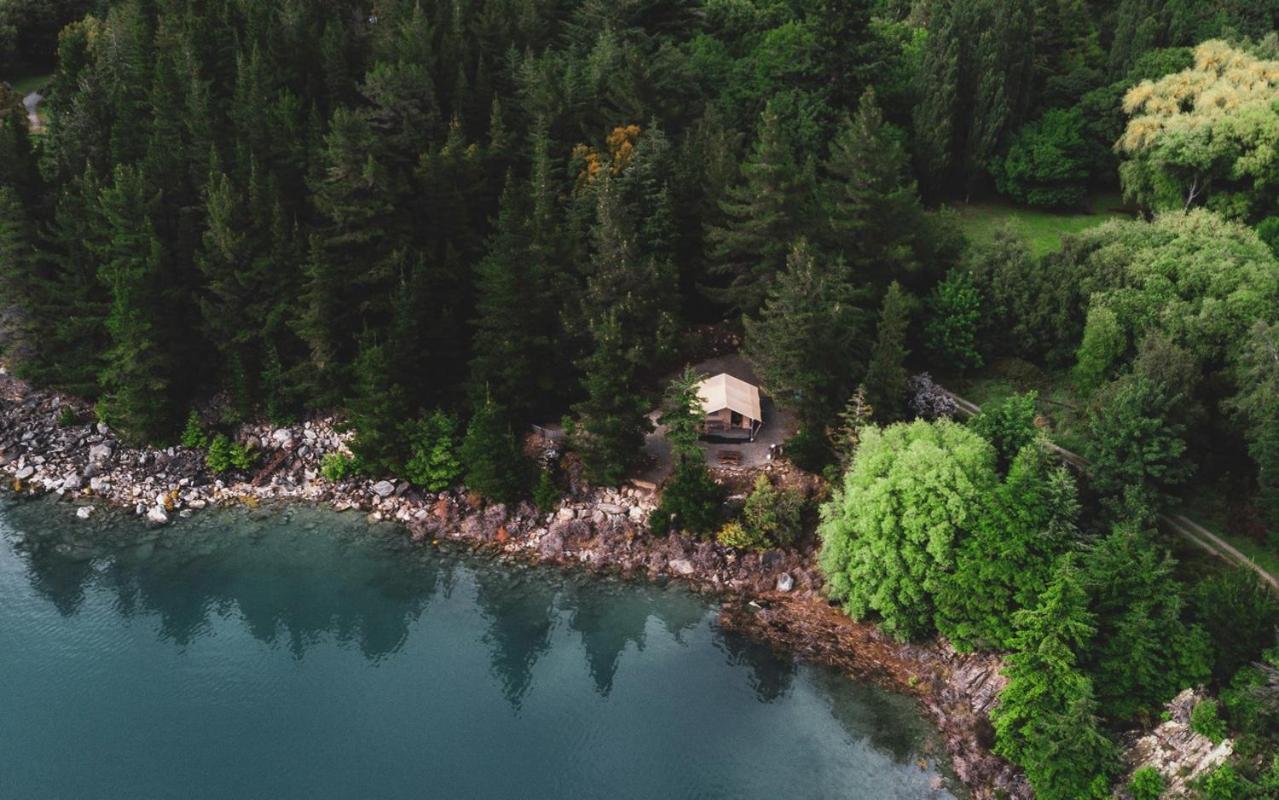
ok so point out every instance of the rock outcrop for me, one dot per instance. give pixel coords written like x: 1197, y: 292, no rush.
x: 1178, y: 753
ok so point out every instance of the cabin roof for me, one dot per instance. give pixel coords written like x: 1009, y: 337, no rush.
x: 724, y: 391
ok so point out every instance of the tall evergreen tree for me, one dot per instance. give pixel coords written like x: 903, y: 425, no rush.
x: 886, y: 376
x: 138, y: 395
x: 612, y: 420
x: 764, y: 215
x: 803, y: 343
x: 490, y: 454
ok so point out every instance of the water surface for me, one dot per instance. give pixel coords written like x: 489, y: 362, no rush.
x: 303, y: 654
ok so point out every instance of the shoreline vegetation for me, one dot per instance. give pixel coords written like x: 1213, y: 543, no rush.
x: 773, y: 596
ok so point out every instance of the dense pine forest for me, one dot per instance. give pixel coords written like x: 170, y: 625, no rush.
x: 446, y: 221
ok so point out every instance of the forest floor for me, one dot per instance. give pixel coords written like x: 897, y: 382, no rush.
x: 1042, y: 229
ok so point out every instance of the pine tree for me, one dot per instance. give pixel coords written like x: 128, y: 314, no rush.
x: 379, y: 413
x: 1046, y: 719
x: 137, y: 378
x: 494, y: 466
x: 19, y: 281
x: 872, y: 202
x: 764, y: 216
x: 611, y: 422
x: 886, y: 376
x: 803, y: 344
x: 690, y: 497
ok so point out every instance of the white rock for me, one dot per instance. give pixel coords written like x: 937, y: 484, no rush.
x: 100, y: 453
x: 84, y: 512
x: 383, y: 488
x: 24, y: 473
x: 681, y: 566
x: 785, y: 582
x: 158, y: 516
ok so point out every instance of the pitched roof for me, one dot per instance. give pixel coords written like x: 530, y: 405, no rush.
x: 725, y: 391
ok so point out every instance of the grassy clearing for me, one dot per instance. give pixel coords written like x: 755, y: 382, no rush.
x: 27, y: 84
x: 1042, y: 230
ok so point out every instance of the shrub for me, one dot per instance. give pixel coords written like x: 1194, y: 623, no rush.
x: 338, y: 467
x: 1146, y: 784
x: 1104, y: 342
x: 736, y: 536
x: 193, y: 435
x: 1268, y: 231
x: 219, y: 455
x: 67, y: 417
x: 1008, y: 424
x: 1205, y: 720
x: 1047, y: 162
x: 241, y: 456
x: 956, y: 312
x: 690, y: 500
x: 433, y: 463
x: 772, y: 516
x: 546, y: 495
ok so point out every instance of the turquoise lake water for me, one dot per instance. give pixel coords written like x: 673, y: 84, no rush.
x: 303, y: 654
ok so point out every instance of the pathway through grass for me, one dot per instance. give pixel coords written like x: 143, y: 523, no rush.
x: 1043, y: 230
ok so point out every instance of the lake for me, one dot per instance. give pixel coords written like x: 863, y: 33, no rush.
x: 305, y: 654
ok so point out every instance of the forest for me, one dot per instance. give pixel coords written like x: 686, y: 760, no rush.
x: 447, y: 221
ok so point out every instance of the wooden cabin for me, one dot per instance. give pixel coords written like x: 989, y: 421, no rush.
x: 732, y: 408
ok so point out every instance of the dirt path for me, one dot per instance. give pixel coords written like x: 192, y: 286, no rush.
x: 1179, y: 524
x: 32, y: 104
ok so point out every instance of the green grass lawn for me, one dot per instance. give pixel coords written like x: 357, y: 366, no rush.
x: 27, y: 84
x: 1043, y: 230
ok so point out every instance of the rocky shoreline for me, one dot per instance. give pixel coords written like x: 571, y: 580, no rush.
x: 773, y: 596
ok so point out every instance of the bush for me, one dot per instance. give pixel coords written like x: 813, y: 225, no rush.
x: 546, y: 495
x: 219, y: 455
x: 690, y: 500
x: 193, y: 435
x: 1268, y: 231
x: 242, y: 457
x: 338, y: 467
x: 772, y: 516
x: 1239, y: 616
x: 956, y: 312
x: 736, y: 536
x: 1047, y: 162
x: 1205, y: 720
x: 67, y: 417
x: 1008, y: 424
x: 1104, y: 342
x: 433, y: 463
x: 1146, y: 784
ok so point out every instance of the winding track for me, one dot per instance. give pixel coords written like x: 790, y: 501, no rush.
x: 1179, y: 524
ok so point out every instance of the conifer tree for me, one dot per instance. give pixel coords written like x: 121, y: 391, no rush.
x: 379, y: 413
x: 764, y: 215
x: 611, y: 421
x: 871, y: 200
x: 1046, y: 718
x: 18, y: 279
x: 137, y: 378
x: 886, y: 376
x: 803, y: 344
x: 494, y: 466
x: 690, y: 497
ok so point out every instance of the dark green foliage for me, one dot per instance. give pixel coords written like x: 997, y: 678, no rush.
x: 955, y: 313
x: 379, y: 411
x: 876, y: 221
x: 67, y: 417
x: 1132, y: 446
x: 1046, y: 720
x: 1144, y: 653
x: 690, y: 497
x: 1146, y: 784
x: 432, y: 443
x: 1239, y: 615
x: 763, y: 217
x: 611, y: 421
x: 803, y: 343
x: 1008, y: 424
x: 1047, y: 162
x: 1007, y: 559
x: 847, y: 435
x: 886, y: 376
x: 219, y: 456
x: 772, y: 516
x: 1268, y: 231
x: 494, y: 465
x: 1204, y: 720
x: 546, y: 495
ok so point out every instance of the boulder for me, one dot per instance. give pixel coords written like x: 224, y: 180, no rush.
x: 100, y: 453
x: 24, y: 473
x: 158, y: 516
x: 681, y: 566
x: 785, y: 582
x: 551, y: 545
x: 84, y: 512
x: 383, y: 488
